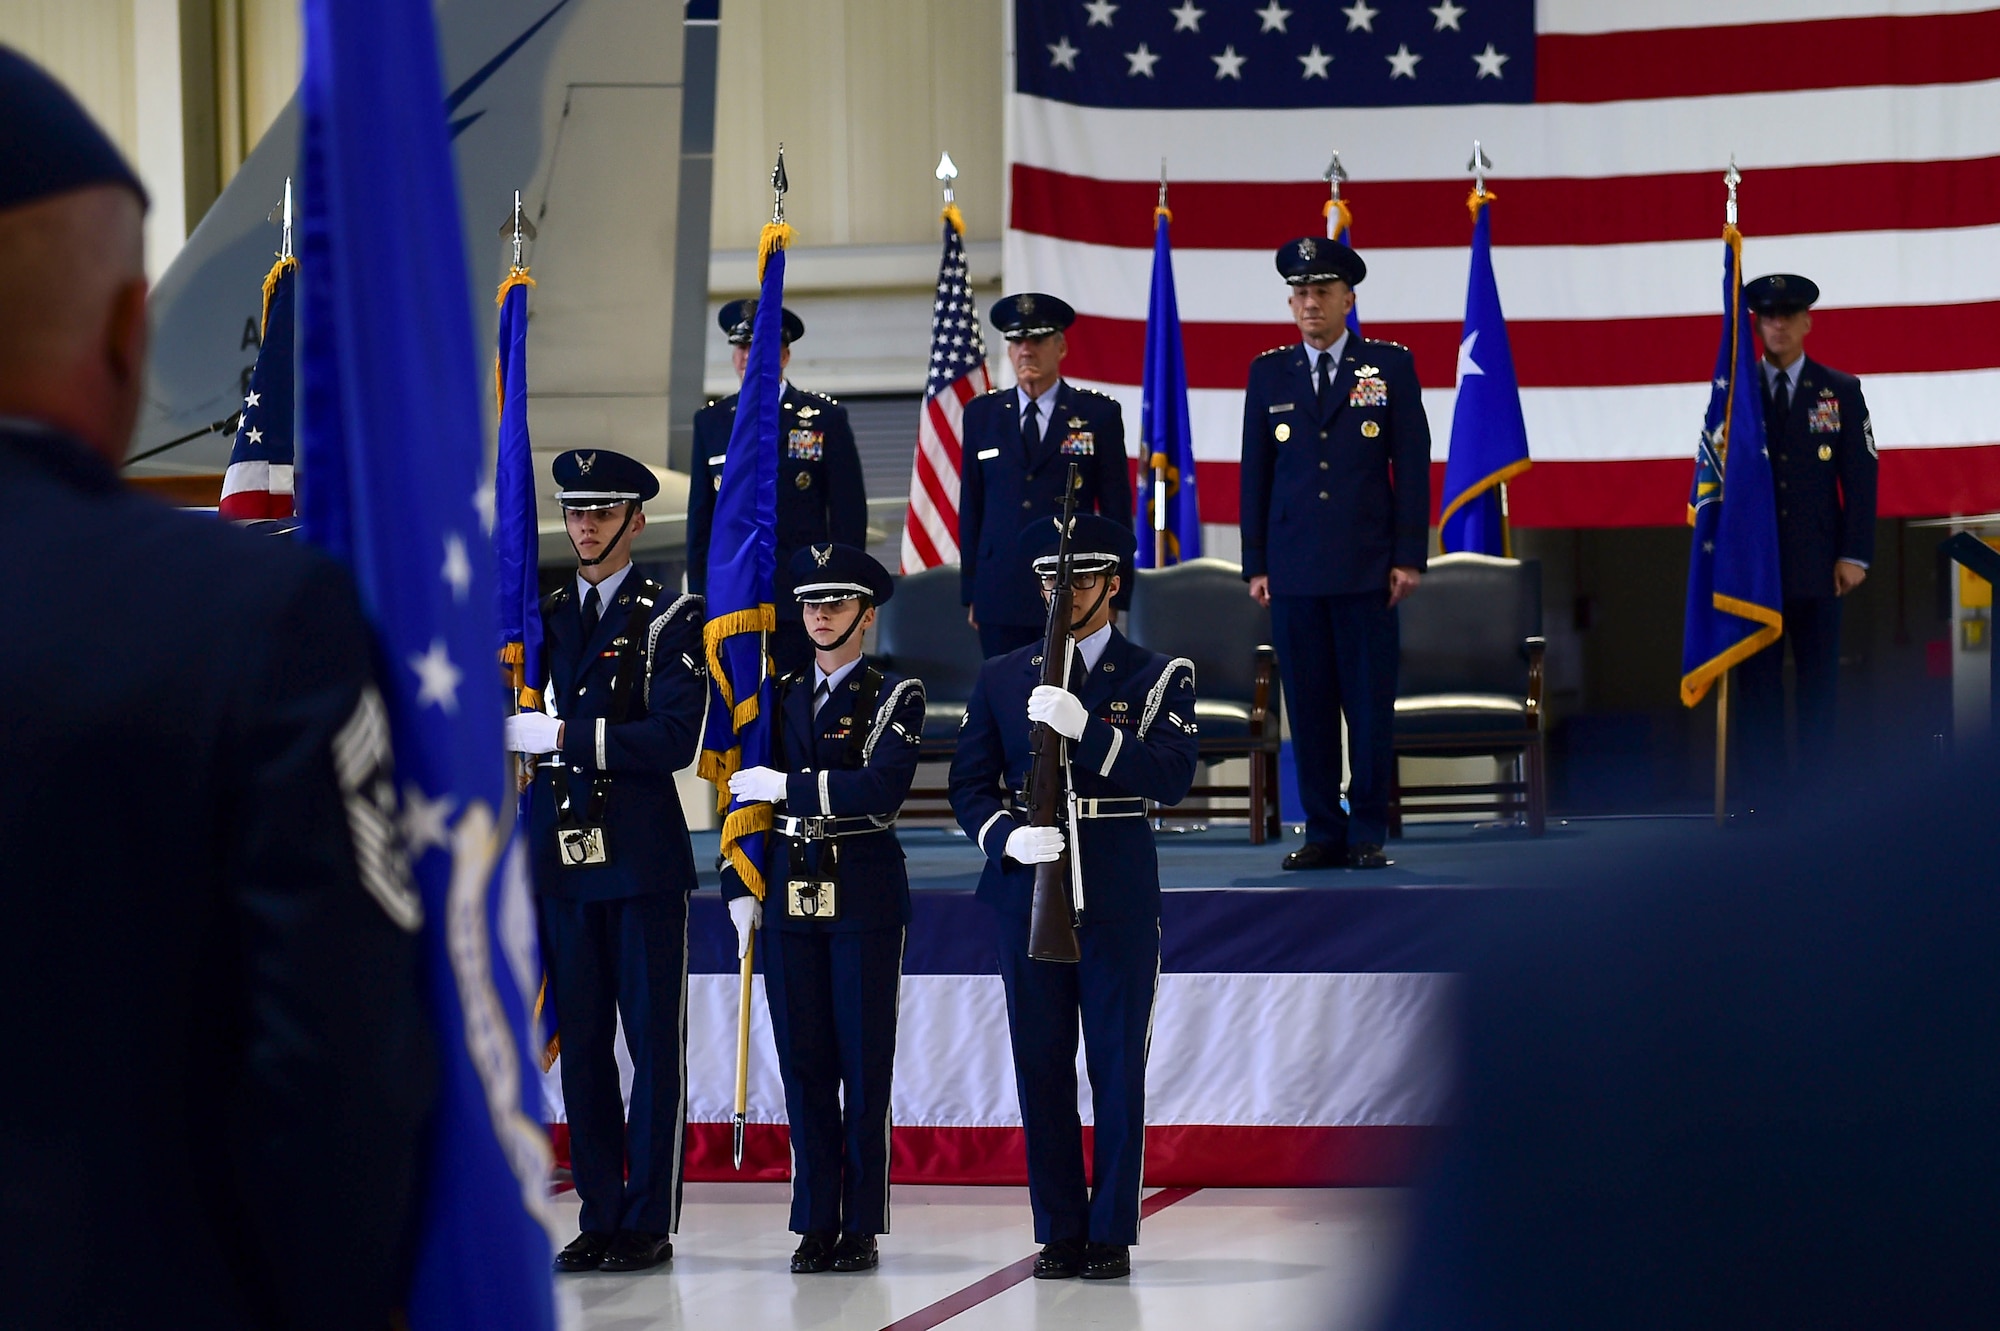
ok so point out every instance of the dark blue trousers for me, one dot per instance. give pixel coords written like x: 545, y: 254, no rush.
x: 1338, y: 655
x: 605, y: 959
x: 1812, y: 630
x: 1000, y: 639
x: 1111, y: 990
x: 833, y: 1019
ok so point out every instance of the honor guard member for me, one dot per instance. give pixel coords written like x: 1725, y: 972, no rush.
x: 846, y: 748
x: 221, y: 1063
x: 1822, y: 449
x: 1019, y: 444
x: 1129, y: 719
x: 613, y: 867
x: 820, y: 492
x: 1336, y: 528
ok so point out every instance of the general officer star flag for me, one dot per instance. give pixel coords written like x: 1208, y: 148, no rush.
x: 742, y: 560
x: 1733, y: 599
x: 1489, y: 436
x: 391, y: 452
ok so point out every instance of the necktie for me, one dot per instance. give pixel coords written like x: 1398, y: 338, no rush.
x: 1325, y: 381
x: 1781, y: 403
x: 1031, y: 428
x: 592, y: 611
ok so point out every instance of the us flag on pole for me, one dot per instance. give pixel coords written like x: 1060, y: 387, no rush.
x: 1868, y: 134
x: 258, y: 483
x: 957, y: 375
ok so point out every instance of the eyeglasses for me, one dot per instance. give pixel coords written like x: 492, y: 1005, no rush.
x: 1083, y: 582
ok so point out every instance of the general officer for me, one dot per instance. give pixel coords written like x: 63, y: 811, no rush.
x: 820, y: 492
x: 1822, y: 448
x: 1335, y: 519
x: 221, y: 1065
x: 1129, y: 719
x: 847, y: 743
x: 613, y: 865
x: 1019, y: 444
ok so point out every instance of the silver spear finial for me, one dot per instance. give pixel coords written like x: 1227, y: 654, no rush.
x: 779, y: 185
x: 282, y: 215
x: 517, y: 227
x: 1732, y: 178
x: 1479, y: 166
x: 1336, y: 174
x: 947, y: 171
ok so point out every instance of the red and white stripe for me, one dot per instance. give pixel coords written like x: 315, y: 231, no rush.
x: 1868, y: 133
x: 930, y: 529
x: 252, y: 490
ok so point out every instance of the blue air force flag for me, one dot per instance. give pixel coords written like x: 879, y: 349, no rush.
x: 1167, y: 499
x: 1489, y: 437
x: 1733, y: 598
x: 516, y: 539
x: 391, y: 453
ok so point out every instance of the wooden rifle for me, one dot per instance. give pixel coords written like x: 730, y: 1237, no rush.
x: 1052, y: 916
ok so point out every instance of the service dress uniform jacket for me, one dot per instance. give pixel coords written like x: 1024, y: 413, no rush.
x: 614, y: 934
x: 1333, y: 498
x: 1003, y: 487
x: 1823, y: 468
x: 833, y: 984
x: 1138, y: 744
x: 221, y: 1066
x: 821, y: 496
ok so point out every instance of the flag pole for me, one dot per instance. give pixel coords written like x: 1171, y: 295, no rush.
x: 1730, y: 179
x: 1159, y: 459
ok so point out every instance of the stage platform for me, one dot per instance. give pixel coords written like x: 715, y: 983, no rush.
x: 1300, y: 1034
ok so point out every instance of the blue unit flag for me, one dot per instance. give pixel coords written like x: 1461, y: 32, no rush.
x: 516, y: 538
x: 1167, y: 498
x: 742, y: 560
x: 1489, y: 436
x: 391, y: 455
x: 1734, y: 606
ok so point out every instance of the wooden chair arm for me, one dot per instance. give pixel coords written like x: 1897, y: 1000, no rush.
x: 1535, y: 647
x: 1264, y: 690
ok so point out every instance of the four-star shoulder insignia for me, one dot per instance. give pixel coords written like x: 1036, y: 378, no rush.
x: 1276, y: 351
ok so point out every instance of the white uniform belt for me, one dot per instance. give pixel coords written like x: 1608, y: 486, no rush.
x: 822, y: 829
x: 1123, y: 806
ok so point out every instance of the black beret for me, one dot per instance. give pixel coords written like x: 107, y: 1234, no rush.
x: 832, y: 572
x: 1780, y: 293
x: 737, y: 316
x: 1317, y: 259
x: 1031, y: 314
x: 48, y: 143
x: 600, y: 478
x: 1096, y: 544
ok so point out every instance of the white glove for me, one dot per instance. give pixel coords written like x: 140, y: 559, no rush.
x: 1060, y: 708
x: 532, y: 732
x: 746, y: 913
x: 1035, y: 845
x: 758, y: 783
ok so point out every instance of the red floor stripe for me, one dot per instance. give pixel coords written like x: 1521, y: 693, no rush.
x: 979, y: 1291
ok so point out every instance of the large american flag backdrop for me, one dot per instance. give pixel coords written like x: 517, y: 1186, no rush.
x: 1868, y: 132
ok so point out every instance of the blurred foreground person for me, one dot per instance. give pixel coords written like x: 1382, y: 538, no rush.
x: 218, y: 1060
x: 1753, y: 1087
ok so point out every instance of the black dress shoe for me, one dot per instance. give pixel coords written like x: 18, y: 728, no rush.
x: 1367, y: 855
x: 584, y: 1252
x: 815, y: 1254
x: 1106, y: 1261
x: 636, y: 1250
x: 1315, y: 855
x: 855, y: 1252
x: 1060, y: 1260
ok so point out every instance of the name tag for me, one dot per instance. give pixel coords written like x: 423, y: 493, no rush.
x: 718, y: 459
x: 1275, y: 408
x: 988, y: 454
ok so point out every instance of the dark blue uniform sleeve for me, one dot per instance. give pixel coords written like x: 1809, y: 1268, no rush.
x: 971, y: 499
x: 1857, y: 464
x: 1156, y: 758
x: 979, y: 775
x: 666, y: 727
x: 701, y: 497
x: 846, y: 493
x: 1409, y: 464
x: 1258, y: 463
x: 881, y: 784
x: 326, y: 1111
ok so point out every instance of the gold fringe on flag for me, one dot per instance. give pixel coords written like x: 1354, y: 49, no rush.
x: 278, y: 270
x: 952, y: 215
x: 1478, y: 199
x: 1346, y: 221
x: 775, y: 236
x: 1163, y: 211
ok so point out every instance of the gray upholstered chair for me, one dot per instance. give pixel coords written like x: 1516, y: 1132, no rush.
x: 1202, y: 610
x: 922, y: 632
x: 1470, y: 683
